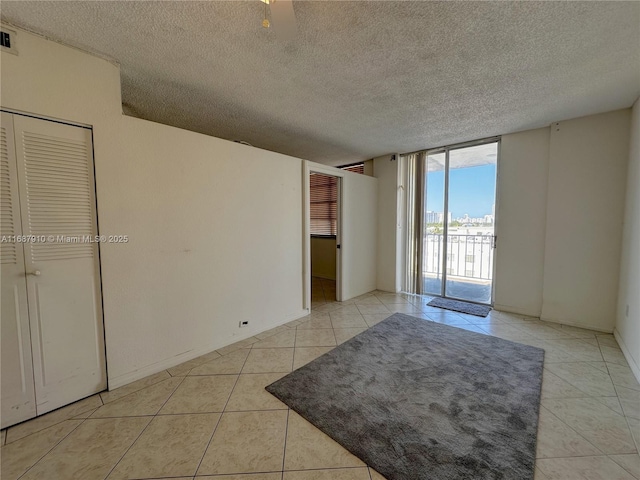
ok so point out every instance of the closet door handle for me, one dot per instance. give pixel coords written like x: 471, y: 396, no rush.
x: 35, y: 273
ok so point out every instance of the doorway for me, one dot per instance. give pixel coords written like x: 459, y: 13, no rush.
x: 323, y: 237
x: 453, y: 231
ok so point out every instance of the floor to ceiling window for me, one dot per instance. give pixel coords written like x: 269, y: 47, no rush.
x: 450, y: 210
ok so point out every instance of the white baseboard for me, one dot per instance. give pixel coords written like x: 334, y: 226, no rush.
x: 572, y: 323
x: 516, y: 310
x: 126, y: 378
x: 530, y: 313
x: 627, y: 355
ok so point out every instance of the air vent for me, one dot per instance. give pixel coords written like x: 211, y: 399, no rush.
x: 8, y: 40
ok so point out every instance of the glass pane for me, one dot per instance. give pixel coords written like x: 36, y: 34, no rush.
x: 472, y: 190
x: 433, y: 224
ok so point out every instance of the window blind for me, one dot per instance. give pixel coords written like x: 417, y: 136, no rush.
x: 324, y: 204
x: 355, y: 168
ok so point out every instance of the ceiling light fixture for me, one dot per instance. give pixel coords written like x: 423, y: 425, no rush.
x: 280, y: 18
x: 265, y: 22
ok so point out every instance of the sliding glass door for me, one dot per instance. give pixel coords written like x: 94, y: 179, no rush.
x: 471, y: 192
x: 457, y: 221
x: 434, y: 224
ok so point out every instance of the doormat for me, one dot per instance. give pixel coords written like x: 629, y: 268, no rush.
x: 416, y: 399
x: 462, y: 307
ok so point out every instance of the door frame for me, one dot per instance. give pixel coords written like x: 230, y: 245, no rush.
x: 445, y: 244
x: 98, y: 259
x: 307, y: 169
x: 48, y: 119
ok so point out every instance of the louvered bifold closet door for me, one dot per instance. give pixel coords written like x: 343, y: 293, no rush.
x: 18, y: 397
x: 57, y: 196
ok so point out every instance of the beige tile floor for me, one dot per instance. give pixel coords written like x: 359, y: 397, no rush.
x: 211, y: 418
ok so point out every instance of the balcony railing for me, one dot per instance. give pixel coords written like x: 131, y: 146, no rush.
x: 468, y: 256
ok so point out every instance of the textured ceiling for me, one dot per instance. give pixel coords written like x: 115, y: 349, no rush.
x: 361, y: 79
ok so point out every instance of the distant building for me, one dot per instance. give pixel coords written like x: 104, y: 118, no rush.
x: 433, y: 217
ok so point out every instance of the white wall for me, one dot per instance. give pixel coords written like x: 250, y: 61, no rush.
x: 585, y: 203
x: 368, y: 167
x: 559, y: 213
x: 215, y: 238
x: 323, y: 257
x: 386, y: 171
x: 628, y: 322
x: 521, y: 211
x: 60, y: 82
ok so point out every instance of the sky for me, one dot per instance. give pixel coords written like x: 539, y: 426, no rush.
x: 471, y: 190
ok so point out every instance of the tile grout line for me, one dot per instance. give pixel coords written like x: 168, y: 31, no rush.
x: 144, y: 429
x: 54, y: 446
x: 635, y: 442
x: 293, y: 360
x: 573, y: 430
x: 577, y: 388
x: 284, y: 450
x: 619, y: 403
x: 581, y: 435
x: 53, y: 424
x: 301, y: 470
x: 140, y: 389
x: 622, y: 466
x: 204, y: 453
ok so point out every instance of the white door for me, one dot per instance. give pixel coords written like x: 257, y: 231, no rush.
x: 57, y: 199
x: 18, y: 396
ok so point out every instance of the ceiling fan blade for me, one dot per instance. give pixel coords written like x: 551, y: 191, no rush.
x: 284, y: 19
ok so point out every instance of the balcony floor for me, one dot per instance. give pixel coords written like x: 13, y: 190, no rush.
x: 472, y: 291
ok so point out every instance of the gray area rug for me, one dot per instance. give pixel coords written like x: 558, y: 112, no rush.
x: 416, y: 399
x: 462, y: 307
